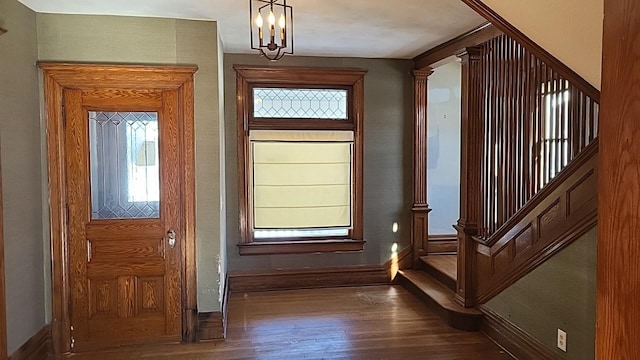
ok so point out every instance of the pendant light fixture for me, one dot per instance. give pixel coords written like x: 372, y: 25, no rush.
x: 272, y: 38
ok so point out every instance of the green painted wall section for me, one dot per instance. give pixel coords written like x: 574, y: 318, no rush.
x: 560, y: 293
x: 222, y: 258
x: 387, y: 162
x: 117, y: 39
x: 86, y: 38
x: 21, y: 174
x: 197, y: 43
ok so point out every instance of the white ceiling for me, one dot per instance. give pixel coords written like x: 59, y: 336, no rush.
x: 398, y: 29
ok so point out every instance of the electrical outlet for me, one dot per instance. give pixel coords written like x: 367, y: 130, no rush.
x: 562, y: 340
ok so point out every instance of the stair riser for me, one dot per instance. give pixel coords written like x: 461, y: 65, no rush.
x: 453, y: 319
x: 443, y: 278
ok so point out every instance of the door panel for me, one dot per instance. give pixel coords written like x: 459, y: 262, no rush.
x: 123, y: 198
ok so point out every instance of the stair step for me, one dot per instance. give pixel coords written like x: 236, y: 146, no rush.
x: 442, y: 267
x: 440, y: 299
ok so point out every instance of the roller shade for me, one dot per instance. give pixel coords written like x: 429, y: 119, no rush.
x: 301, y: 179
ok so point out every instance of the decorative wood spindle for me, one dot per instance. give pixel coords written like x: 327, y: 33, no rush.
x: 535, y: 123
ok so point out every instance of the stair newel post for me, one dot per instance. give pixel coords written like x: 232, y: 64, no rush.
x: 471, y: 153
x: 420, y: 208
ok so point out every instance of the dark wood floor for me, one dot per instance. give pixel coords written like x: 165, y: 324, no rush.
x: 374, y: 322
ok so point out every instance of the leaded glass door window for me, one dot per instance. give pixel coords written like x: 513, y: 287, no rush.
x: 125, y: 174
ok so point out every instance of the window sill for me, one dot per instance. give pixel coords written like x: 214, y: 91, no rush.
x: 300, y: 247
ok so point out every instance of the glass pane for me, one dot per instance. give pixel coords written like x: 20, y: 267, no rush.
x: 300, y: 103
x: 125, y: 171
x: 443, y: 173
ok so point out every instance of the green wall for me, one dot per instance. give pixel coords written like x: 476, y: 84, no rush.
x: 560, y: 293
x: 160, y: 41
x: 22, y: 187
x: 387, y: 162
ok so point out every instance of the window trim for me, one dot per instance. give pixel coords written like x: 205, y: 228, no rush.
x: 248, y: 77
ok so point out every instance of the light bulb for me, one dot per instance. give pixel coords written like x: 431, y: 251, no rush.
x: 272, y: 18
x: 282, y: 21
x: 259, y: 21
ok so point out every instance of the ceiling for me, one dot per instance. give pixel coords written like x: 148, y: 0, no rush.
x: 351, y: 28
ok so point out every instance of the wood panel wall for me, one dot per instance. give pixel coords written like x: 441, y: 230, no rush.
x: 565, y: 211
x: 618, y: 277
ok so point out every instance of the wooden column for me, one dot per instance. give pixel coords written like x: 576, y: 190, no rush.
x: 420, y: 209
x: 618, y: 274
x: 470, y: 173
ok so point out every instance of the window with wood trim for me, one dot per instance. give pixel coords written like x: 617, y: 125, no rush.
x: 300, y: 159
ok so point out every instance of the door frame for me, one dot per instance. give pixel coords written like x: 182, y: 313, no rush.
x: 59, y: 76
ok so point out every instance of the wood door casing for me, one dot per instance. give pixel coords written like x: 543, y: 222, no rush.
x: 59, y: 76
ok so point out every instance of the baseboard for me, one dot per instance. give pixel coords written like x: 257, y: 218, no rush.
x: 36, y: 348
x: 213, y: 325
x: 210, y: 326
x: 225, y: 303
x: 285, y: 279
x: 442, y: 244
x: 401, y: 261
x: 511, y: 338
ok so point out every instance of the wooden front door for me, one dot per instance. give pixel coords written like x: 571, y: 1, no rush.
x: 124, y: 211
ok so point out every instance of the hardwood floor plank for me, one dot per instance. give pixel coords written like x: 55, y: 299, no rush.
x: 372, y: 322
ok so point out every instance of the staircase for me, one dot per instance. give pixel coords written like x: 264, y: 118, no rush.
x: 528, y: 175
x: 434, y: 282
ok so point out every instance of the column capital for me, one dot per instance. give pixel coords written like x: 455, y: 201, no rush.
x: 470, y: 54
x: 422, y: 74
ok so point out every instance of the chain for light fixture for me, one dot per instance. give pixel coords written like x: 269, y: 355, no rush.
x: 273, y: 39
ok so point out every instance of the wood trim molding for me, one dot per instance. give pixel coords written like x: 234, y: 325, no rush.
x: 300, y: 247
x: 558, y: 219
x: 60, y: 325
x: 470, y: 173
x: 37, y: 347
x: 211, y: 326
x: 443, y: 244
x: 291, y: 74
x: 420, y: 208
x: 400, y: 261
x: 57, y: 77
x: 188, y: 181
x: 350, y: 79
x: 3, y: 302
x: 562, y: 69
x: 285, y: 279
x: 511, y: 338
x: 618, y: 268
x: 118, y: 75
x: 477, y: 36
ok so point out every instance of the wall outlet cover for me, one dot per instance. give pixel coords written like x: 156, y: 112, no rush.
x: 562, y: 340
